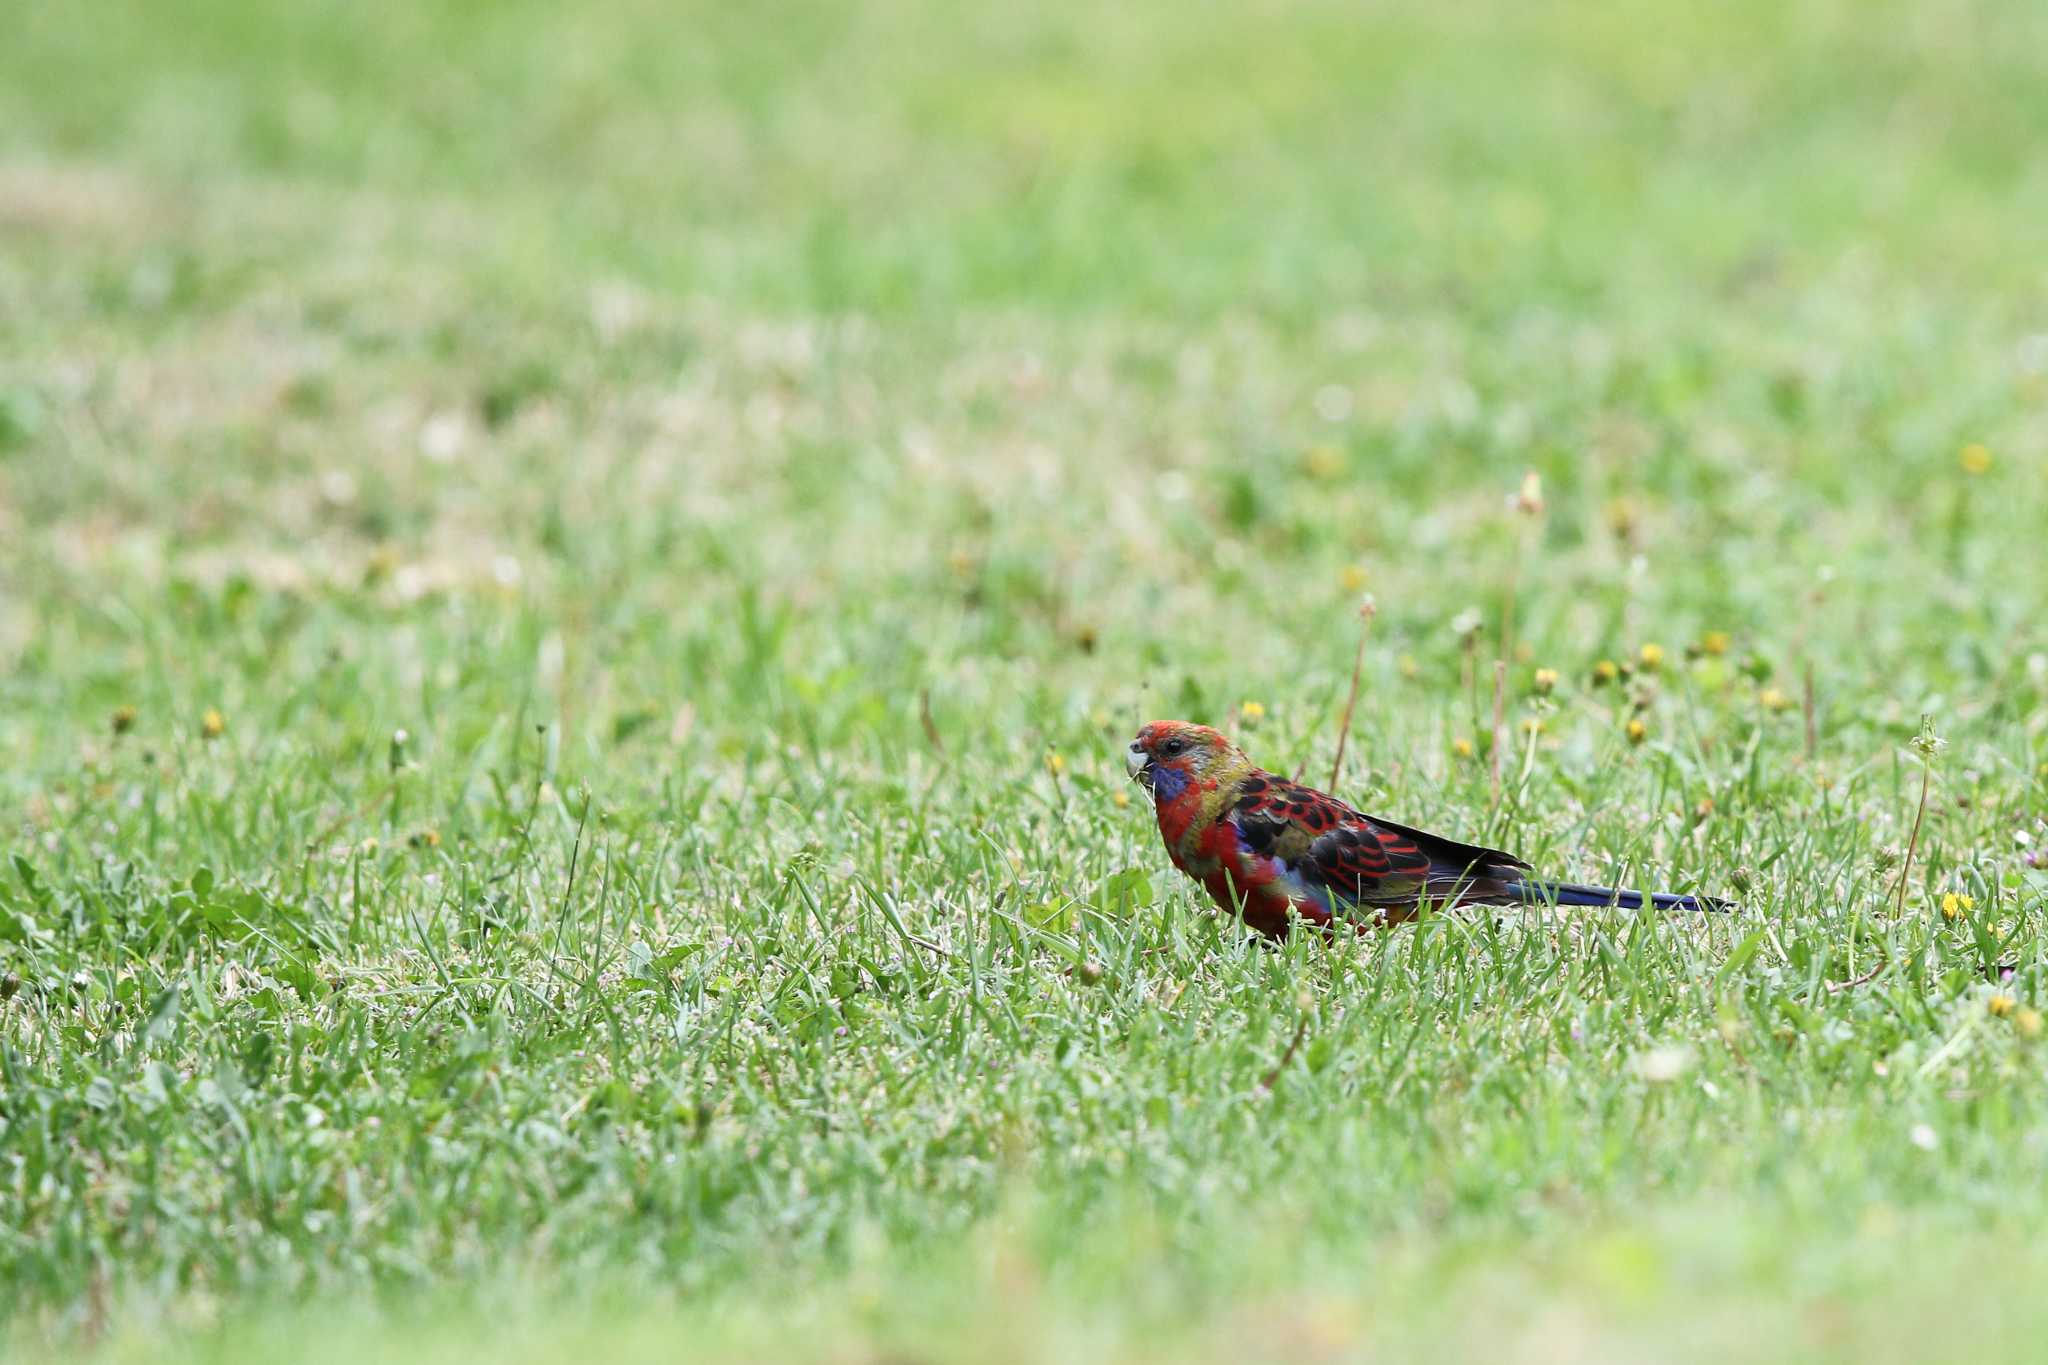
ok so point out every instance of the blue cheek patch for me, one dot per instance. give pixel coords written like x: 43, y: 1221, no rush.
x: 1168, y: 783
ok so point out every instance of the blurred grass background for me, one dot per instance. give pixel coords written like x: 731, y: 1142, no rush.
x: 655, y: 410
x: 900, y: 156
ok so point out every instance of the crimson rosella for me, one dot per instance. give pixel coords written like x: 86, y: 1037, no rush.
x: 1265, y: 847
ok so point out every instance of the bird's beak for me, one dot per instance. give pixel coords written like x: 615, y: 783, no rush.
x: 1136, y: 760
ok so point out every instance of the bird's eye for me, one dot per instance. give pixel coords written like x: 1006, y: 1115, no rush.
x: 1174, y: 746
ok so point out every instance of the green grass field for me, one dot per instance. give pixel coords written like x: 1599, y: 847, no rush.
x: 574, y: 580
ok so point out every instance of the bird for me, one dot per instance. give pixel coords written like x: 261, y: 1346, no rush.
x: 1271, y: 850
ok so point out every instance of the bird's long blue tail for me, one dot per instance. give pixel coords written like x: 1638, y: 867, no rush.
x: 1575, y: 893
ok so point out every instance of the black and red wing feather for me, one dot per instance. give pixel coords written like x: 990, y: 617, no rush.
x: 1356, y: 857
x: 1450, y: 853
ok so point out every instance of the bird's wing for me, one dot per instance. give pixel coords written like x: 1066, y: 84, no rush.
x: 1328, y: 846
x: 1449, y: 852
x: 1335, y: 851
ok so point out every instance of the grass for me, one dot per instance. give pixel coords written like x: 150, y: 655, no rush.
x: 572, y: 588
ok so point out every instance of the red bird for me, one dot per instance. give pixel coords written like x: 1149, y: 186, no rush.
x: 1267, y: 848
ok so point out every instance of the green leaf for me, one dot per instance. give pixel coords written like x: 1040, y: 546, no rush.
x: 1048, y: 914
x: 1126, y: 891
x: 1988, y: 946
x: 662, y: 963
x: 627, y: 724
x: 256, y: 1055
x: 1740, y: 957
x: 19, y: 928
x: 1318, y: 1052
x: 29, y: 883
x: 163, y: 1016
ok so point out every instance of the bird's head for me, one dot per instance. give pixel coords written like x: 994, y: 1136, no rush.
x: 1169, y: 754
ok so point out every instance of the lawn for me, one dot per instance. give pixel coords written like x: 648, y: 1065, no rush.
x: 574, y: 582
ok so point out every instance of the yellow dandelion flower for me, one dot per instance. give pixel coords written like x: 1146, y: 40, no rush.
x: 1055, y: 764
x: 2001, y: 1004
x: 1461, y: 747
x: 1774, y: 700
x: 1714, y: 642
x: 2028, y: 1022
x: 1622, y: 517
x: 1704, y: 809
x: 1323, y: 462
x: 1606, y: 671
x: 1975, y: 458
x: 1637, y: 731
x: 1122, y: 799
x: 1953, y: 905
x: 1353, y: 578
x: 1652, y: 656
x: 213, y: 724
x: 427, y: 838
x: 1546, y: 679
x: 1533, y: 725
x: 1252, y: 712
